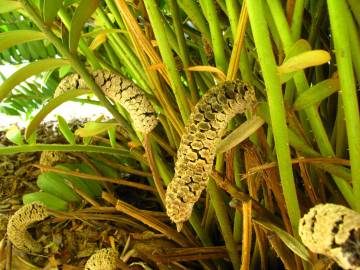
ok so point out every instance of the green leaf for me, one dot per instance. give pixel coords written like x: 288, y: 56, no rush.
x: 28, y: 71
x: 50, y: 201
x: 32, y: 139
x: 291, y: 242
x: 239, y: 134
x: 50, y: 9
x: 13, y: 134
x: 65, y: 130
x: 93, y: 128
x: 317, y: 93
x: 8, y: 6
x: 81, y: 15
x: 12, y: 38
x: 304, y: 60
x: 64, y: 70
x: 112, y: 137
x: 54, y: 103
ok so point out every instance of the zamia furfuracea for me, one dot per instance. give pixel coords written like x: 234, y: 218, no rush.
x: 197, y: 148
x: 120, y: 90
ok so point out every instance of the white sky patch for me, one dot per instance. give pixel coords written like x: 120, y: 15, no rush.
x: 69, y: 110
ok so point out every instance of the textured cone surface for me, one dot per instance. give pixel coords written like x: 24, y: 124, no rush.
x: 19, y: 223
x: 50, y: 158
x: 119, y: 90
x: 103, y: 259
x: 197, y: 149
x: 333, y: 230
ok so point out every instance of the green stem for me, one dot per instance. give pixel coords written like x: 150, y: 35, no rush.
x: 297, y: 19
x: 340, y: 35
x: 216, y: 34
x: 193, y: 10
x: 237, y: 231
x: 233, y: 10
x: 224, y: 222
x: 276, y: 107
x: 354, y: 35
x: 302, y: 85
x: 115, y: 12
x: 174, y: 9
x: 168, y: 58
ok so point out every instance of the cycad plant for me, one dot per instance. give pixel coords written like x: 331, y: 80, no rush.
x: 255, y: 102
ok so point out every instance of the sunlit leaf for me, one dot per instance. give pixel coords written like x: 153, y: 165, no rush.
x: 26, y: 72
x: 65, y: 130
x: 317, y: 93
x: 93, y: 128
x: 8, y: 6
x: 304, y: 60
x: 81, y: 15
x: 291, y: 242
x: 12, y: 38
x: 97, y: 41
x: 217, y: 72
x: 13, y: 134
x: 54, y: 103
x: 50, y: 9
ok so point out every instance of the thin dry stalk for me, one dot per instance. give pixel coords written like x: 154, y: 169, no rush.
x: 246, y: 240
x: 146, y: 219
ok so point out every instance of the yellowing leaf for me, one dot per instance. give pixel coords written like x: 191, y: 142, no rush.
x: 304, y: 60
x: 93, y: 128
x: 97, y: 41
x: 157, y: 66
x: 299, y: 47
x: 217, y: 72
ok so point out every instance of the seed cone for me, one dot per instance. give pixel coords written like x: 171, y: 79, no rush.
x: 103, y: 259
x: 121, y: 90
x: 197, y: 149
x: 19, y: 223
x: 333, y: 230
